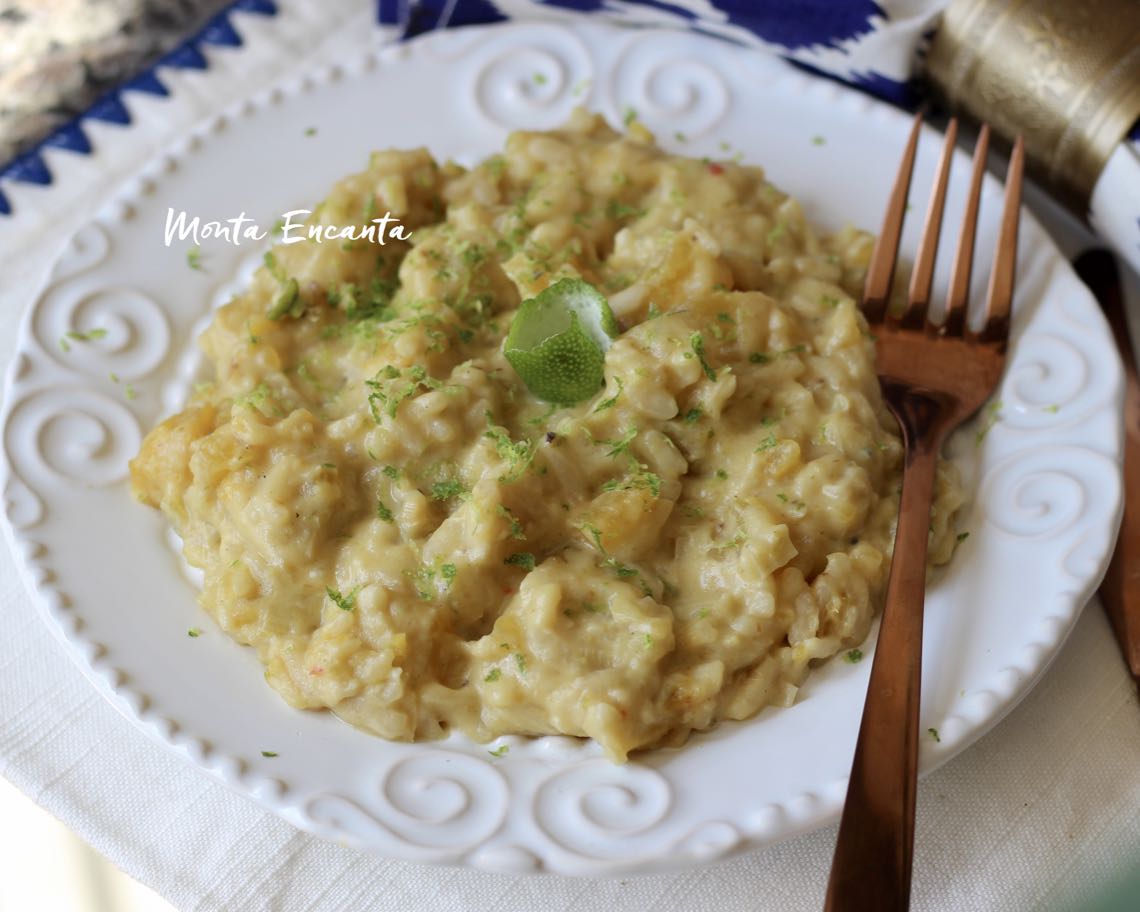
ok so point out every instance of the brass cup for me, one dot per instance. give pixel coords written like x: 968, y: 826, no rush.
x: 1064, y: 73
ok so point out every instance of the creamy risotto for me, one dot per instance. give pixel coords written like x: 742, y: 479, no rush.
x: 409, y: 537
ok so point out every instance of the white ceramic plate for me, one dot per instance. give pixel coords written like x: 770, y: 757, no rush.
x: 1045, y: 478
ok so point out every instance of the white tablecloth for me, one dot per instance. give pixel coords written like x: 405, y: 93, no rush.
x: 1043, y: 811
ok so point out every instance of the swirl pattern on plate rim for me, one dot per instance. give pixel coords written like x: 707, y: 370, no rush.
x: 448, y: 803
x: 437, y: 802
x: 598, y: 810
x: 668, y: 89
x: 534, y: 86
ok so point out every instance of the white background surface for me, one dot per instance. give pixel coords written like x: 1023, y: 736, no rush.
x: 1043, y: 809
x: 46, y: 866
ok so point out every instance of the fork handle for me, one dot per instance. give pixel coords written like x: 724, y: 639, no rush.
x: 871, y: 868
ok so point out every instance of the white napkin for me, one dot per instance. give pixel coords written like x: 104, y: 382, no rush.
x: 1114, y: 209
x: 1037, y: 815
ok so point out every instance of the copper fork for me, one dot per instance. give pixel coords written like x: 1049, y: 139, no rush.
x: 933, y: 377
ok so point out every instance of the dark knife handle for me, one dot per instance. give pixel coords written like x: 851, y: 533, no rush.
x: 1120, y: 590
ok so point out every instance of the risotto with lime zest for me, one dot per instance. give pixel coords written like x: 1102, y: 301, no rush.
x: 389, y: 510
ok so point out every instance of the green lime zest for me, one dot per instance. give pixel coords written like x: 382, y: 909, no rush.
x: 558, y: 340
x: 697, y: 341
x: 287, y: 302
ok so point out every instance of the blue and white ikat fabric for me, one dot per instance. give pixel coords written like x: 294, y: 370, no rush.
x: 877, y: 47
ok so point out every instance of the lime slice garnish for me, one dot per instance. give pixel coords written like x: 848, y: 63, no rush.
x: 558, y: 340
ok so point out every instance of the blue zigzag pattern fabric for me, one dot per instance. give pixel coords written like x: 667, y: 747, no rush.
x: 218, y: 31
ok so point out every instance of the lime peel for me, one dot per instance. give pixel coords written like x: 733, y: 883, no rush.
x: 558, y: 340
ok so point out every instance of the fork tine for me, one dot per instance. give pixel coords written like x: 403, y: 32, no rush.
x: 881, y: 272
x: 1000, y: 293
x: 958, y: 299
x: 923, y: 276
